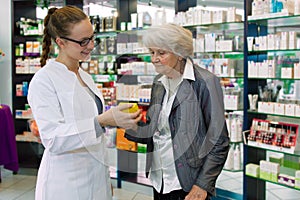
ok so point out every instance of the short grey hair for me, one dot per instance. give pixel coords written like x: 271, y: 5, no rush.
x: 170, y: 37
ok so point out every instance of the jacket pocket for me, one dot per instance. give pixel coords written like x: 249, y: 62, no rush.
x: 195, y: 162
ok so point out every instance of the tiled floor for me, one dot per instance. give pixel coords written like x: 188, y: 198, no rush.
x: 22, y: 187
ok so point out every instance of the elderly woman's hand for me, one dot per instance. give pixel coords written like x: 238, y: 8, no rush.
x: 196, y: 193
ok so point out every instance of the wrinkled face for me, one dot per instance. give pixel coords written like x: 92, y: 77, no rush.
x: 79, y: 44
x: 165, y: 62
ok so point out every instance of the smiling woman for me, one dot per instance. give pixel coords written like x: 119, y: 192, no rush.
x: 68, y: 109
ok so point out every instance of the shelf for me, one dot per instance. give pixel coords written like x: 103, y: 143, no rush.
x: 106, y: 34
x: 232, y: 170
x: 231, y: 77
x: 273, y: 51
x: 146, y: 75
x: 274, y: 182
x: 28, y: 137
x: 275, y: 20
x: 261, y: 113
x: 23, y: 39
x: 261, y: 78
x: 218, y: 26
x: 23, y: 118
x: 233, y: 54
x: 236, y: 142
x: 115, y: 33
x: 25, y: 74
x: 273, y: 148
x: 230, y: 110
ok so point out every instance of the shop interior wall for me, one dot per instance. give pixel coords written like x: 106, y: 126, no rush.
x: 5, y: 45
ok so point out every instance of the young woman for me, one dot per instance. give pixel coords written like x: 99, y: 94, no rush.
x: 68, y: 109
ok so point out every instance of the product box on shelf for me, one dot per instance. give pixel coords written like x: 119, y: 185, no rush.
x: 224, y: 45
x: 124, y: 144
x: 219, y: 16
x: 232, y: 102
x: 207, y: 17
x: 277, y: 136
x: 252, y: 170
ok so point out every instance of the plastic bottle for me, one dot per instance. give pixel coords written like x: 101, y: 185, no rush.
x: 229, y: 162
x: 237, y: 158
x: 233, y: 129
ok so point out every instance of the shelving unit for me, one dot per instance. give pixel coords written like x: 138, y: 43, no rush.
x: 26, y: 150
x: 29, y: 151
x: 255, y: 187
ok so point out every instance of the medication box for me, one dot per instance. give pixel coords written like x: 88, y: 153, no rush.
x: 122, y: 142
x: 133, y: 109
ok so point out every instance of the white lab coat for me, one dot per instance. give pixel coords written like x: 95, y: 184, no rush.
x: 73, y: 166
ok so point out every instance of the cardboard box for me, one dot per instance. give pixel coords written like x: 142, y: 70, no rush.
x: 124, y: 144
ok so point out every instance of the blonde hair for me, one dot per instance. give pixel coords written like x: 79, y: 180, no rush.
x: 170, y: 37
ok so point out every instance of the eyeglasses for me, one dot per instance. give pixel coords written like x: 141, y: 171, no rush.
x: 83, y: 42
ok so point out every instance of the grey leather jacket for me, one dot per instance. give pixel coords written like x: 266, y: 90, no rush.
x: 198, y: 129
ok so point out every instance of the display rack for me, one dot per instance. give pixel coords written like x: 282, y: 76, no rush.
x: 256, y: 151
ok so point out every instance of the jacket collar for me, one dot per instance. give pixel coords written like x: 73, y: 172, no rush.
x: 185, y: 89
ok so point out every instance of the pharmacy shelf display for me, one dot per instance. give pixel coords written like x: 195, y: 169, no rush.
x: 218, y: 48
x: 26, y: 40
x: 271, y: 97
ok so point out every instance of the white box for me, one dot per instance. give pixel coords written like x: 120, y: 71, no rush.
x: 265, y: 107
x: 279, y: 108
x: 271, y: 41
x: 260, y: 106
x: 290, y: 109
x: 263, y: 43
x: 284, y: 40
x: 189, y: 17
x: 231, y: 102
x: 199, y: 44
x: 252, y: 69
x: 296, y: 70
x: 269, y: 107
x: 210, y: 42
x: 231, y: 14
x: 297, y: 7
x: 292, y: 44
x: 297, y: 110
x: 292, y: 40
x: 219, y: 16
x: 262, y: 69
x: 271, y: 68
x: 206, y: 17
x: 197, y: 16
x: 224, y: 45
x: 286, y: 72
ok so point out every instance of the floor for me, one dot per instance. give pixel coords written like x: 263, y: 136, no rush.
x: 22, y: 187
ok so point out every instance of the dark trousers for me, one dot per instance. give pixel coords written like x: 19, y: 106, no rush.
x: 174, y: 195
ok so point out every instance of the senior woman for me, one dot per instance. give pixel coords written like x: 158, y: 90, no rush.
x: 185, y: 131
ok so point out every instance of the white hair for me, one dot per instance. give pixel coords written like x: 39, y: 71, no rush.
x: 170, y: 37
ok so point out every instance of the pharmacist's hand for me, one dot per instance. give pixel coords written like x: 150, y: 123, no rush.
x: 196, y: 193
x: 116, y: 117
